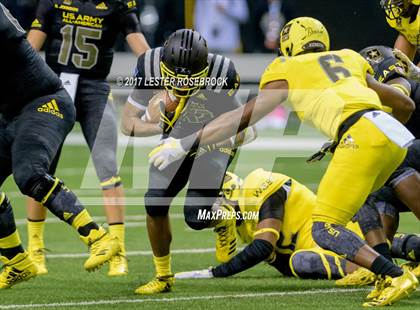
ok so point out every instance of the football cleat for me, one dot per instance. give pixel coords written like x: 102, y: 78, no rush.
x: 414, y: 267
x: 397, y: 288
x: 118, y: 266
x: 160, y: 284
x: 20, y: 268
x: 102, y: 248
x: 38, y: 257
x: 360, y: 277
x: 380, y: 284
x: 226, y: 237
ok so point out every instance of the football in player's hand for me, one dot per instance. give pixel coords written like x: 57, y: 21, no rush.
x: 159, y: 102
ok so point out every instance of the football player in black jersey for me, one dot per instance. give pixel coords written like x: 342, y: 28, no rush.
x: 402, y: 192
x: 186, y: 87
x: 79, y: 37
x: 36, y: 114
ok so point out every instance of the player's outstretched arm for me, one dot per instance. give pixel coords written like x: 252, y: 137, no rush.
x: 37, y: 39
x: 133, y: 125
x: 402, y: 105
x: 230, y: 123
x: 259, y: 250
x: 405, y: 46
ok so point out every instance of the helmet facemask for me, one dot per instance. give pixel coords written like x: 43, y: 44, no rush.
x: 183, y: 85
x: 395, y: 9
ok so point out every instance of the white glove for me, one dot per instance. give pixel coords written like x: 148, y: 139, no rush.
x: 165, y: 154
x: 412, y: 72
x: 195, y: 274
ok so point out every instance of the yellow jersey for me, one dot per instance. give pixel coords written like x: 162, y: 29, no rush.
x: 325, y: 88
x: 296, y: 229
x: 409, y: 28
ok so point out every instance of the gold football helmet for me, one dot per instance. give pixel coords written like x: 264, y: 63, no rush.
x: 302, y: 35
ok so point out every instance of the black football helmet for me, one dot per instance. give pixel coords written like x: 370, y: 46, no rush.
x: 184, y: 62
x: 383, y: 62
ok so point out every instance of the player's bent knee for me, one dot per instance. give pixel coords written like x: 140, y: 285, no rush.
x: 41, y: 188
x: 192, y: 218
x: 156, y: 203
x: 314, y: 264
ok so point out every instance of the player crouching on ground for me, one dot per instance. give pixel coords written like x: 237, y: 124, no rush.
x: 178, y: 109
x: 281, y: 234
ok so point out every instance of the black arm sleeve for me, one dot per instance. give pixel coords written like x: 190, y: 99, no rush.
x: 273, y: 206
x: 42, y: 15
x: 388, y: 70
x: 127, y: 17
x: 254, y: 253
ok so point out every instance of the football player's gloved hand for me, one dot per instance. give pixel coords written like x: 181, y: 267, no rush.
x: 165, y: 154
x: 246, y: 136
x: 412, y: 72
x: 195, y: 274
x: 327, y: 147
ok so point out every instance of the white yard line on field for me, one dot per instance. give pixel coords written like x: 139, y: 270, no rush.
x: 178, y: 299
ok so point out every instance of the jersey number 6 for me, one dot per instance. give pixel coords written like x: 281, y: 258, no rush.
x: 329, y: 64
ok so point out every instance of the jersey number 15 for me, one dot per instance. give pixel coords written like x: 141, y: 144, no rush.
x: 88, y: 56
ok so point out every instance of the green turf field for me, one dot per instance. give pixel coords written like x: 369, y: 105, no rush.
x: 68, y: 286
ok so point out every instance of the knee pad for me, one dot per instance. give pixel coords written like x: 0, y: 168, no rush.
x: 368, y: 217
x: 406, y: 246
x: 4, y: 203
x: 191, y: 215
x: 43, y: 188
x: 316, y: 264
x: 156, y: 203
x: 7, y: 221
x: 336, y: 238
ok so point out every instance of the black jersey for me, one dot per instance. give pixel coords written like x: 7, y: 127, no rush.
x: 81, y: 33
x: 214, y: 99
x: 25, y: 75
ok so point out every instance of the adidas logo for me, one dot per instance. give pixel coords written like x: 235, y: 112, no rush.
x: 52, y: 108
x: 102, y: 6
x: 36, y: 24
x: 67, y: 215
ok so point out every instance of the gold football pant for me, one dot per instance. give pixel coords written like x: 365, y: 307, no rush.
x: 361, y: 164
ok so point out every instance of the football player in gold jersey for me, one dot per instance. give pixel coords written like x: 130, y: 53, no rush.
x: 335, y: 92
x: 404, y: 16
x: 276, y: 197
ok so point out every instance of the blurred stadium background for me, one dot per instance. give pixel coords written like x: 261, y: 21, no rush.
x: 282, y: 145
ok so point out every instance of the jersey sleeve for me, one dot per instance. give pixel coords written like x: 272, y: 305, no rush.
x: 42, y: 15
x: 144, y: 88
x: 10, y: 29
x: 127, y: 17
x: 388, y: 69
x: 274, y: 72
x: 233, y: 81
